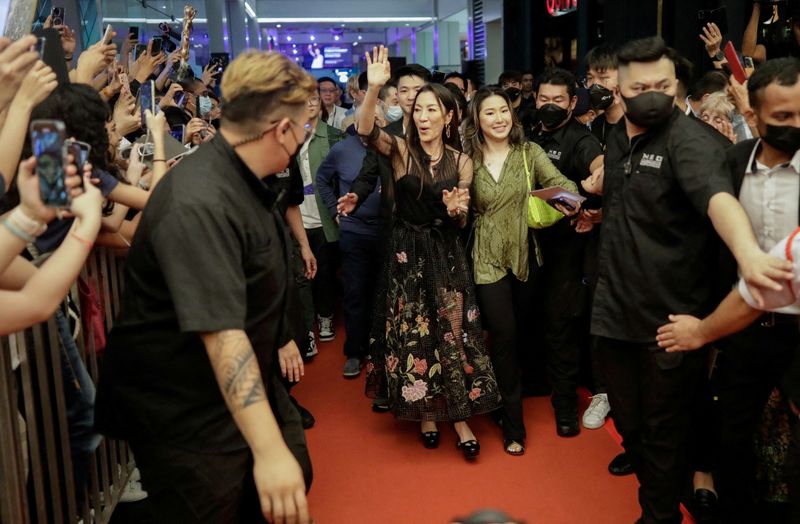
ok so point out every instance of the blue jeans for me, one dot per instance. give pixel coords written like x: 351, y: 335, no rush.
x: 361, y: 266
x: 79, y: 393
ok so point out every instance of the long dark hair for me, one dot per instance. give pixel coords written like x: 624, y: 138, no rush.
x: 473, y: 135
x: 419, y: 162
x: 85, y: 115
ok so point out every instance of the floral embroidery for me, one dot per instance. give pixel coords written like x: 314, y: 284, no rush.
x: 422, y: 326
x: 391, y: 363
x: 415, y: 392
x: 474, y: 393
x: 469, y: 370
x: 449, y: 338
x: 472, y: 314
x: 404, y: 327
x: 370, y: 367
x: 402, y: 257
x: 420, y: 366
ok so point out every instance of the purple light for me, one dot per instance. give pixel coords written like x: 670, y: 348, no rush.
x: 289, y: 38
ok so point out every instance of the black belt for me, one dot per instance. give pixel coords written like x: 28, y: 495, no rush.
x: 771, y: 320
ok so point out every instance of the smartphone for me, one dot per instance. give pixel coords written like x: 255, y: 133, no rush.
x: 734, y: 65
x: 126, y: 84
x: 134, y: 32
x: 155, y: 45
x: 107, y: 35
x: 749, y: 67
x: 177, y: 132
x: 39, y: 46
x: 180, y: 99
x: 47, y: 140
x: 221, y: 61
x: 57, y: 16
x: 147, y: 100
x: 563, y: 201
x: 79, y: 151
x: 138, y: 51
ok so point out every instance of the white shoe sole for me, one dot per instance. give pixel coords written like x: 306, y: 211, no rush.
x: 593, y: 426
x: 327, y: 338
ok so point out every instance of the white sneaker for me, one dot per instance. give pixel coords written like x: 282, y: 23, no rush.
x: 133, y: 492
x: 326, y: 333
x: 312, y: 345
x: 595, y: 415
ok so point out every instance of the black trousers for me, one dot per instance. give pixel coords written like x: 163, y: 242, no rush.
x: 319, y: 296
x: 194, y: 487
x: 567, y: 300
x: 651, y: 393
x: 361, y: 265
x: 502, y: 305
x: 749, y: 366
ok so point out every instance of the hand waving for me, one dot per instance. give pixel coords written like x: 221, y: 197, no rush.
x: 712, y: 38
x: 379, y: 70
x: 457, y: 201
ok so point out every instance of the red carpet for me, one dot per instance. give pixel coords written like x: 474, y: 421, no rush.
x: 371, y: 468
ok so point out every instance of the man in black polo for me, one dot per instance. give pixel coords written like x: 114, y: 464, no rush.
x: 191, y: 375
x: 576, y: 153
x: 664, y: 179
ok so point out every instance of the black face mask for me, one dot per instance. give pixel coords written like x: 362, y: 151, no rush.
x: 649, y: 109
x: 552, y: 116
x: 600, y: 98
x: 513, y: 93
x: 783, y: 138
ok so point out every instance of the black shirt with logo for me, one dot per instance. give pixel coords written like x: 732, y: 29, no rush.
x: 572, y: 148
x: 211, y: 253
x: 658, y: 249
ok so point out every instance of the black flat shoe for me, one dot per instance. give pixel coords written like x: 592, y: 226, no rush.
x: 507, y: 443
x: 430, y: 439
x: 704, y: 506
x: 567, y: 424
x: 470, y: 448
x: 620, y: 466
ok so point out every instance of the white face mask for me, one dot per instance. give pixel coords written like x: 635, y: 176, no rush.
x: 394, y: 113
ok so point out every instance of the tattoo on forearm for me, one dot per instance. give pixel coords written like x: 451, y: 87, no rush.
x: 237, y: 370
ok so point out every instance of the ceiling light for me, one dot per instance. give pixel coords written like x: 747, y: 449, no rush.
x: 336, y: 37
x: 359, y: 37
x: 249, y: 9
x: 353, y: 20
x: 289, y: 38
x: 278, y: 26
x: 313, y: 38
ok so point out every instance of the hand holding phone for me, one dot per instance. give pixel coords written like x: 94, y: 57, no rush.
x: 734, y: 65
x: 107, y: 35
x: 57, y: 16
x: 47, y: 141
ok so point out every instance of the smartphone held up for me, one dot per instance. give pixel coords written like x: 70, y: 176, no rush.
x: 47, y: 141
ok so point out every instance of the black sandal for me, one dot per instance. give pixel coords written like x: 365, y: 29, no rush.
x: 430, y: 439
x: 507, y: 443
x: 470, y: 448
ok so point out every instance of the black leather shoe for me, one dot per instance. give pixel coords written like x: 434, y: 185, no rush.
x: 430, y: 439
x: 704, y: 507
x: 380, y: 405
x: 305, y: 416
x: 567, y: 424
x: 620, y: 466
x: 470, y: 448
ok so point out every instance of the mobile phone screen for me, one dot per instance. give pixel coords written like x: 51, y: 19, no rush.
x: 134, y: 32
x: 107, y: 35
x: 145, y: 101
x: 57, y: 16
x: 177, y: 133
x: 47, y: 139
x: 137, y: 52
x: 155, y: 47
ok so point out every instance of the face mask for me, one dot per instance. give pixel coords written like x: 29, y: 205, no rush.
x: 394, y: 113
x: 649, y: 109
x: 204, y: 105
x: 551, y: 116
x: 513, y: 93
x: 600, y: 98
x: 783, y: 138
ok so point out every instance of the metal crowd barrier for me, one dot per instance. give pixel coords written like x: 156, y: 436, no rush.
x: 36, y: 470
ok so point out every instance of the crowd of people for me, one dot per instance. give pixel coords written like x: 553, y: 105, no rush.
x: 251, y: 204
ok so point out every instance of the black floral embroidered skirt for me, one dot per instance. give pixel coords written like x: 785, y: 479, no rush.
x: 427, y: 354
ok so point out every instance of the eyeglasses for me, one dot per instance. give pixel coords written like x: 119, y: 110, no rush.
x: 314, y: 100
x: 327, y: 90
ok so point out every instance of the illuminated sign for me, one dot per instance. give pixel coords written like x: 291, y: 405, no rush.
x: 561, y: 7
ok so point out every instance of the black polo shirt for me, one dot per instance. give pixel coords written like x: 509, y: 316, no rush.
x: 658, y: 249
x: 210, y: 254
x: 572, y: 148
x: 601, y: 129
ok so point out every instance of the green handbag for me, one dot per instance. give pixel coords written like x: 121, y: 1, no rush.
x: 540, y: 213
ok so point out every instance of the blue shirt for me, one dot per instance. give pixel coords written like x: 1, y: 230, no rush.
x: 57, y: 230
x: 339, y: 169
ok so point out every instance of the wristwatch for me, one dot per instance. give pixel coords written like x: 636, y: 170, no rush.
x: 720, y: 56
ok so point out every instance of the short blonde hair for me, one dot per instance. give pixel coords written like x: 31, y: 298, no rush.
x: 718, y: 103
x: 258, y: 84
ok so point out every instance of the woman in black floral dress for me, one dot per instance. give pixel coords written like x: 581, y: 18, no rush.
x: 426, y: 351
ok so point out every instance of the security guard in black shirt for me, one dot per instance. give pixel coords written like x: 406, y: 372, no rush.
x: 664, y: 178
x: 576, y: 153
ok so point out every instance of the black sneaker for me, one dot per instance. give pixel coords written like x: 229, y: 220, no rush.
x: 326, y: 332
